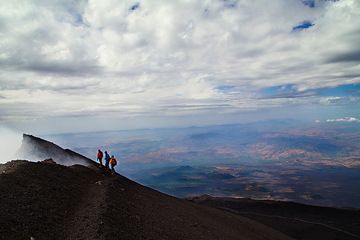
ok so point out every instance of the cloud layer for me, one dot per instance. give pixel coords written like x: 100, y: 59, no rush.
x: 345, y: 119
x: 131, y: 58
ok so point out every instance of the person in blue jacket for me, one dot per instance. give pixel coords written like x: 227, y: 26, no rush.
x: 107, y: 160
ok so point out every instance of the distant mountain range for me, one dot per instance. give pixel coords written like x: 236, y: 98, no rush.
x: 321, y: 143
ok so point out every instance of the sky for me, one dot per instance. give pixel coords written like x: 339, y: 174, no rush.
x: 76, y: 65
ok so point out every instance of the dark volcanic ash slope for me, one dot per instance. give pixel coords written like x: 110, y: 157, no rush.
x: 44, y: 200
x: 296, y: 220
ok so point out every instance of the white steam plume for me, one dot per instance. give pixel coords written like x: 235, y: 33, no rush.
x: 10, y: 142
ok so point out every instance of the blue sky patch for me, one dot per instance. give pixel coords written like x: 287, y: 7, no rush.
x: 303, y: 25
x: 309, y: 3
x: 285, y: 91
x: 288, y: 88
x: 340, y: 91
x: 225, y: 88
x: 291, y: 91
x: 134, y: 7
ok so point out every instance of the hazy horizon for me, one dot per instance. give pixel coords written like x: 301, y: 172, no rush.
x: 308, y: 162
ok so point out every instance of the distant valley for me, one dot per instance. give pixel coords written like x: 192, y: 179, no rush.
x: 316, y: 163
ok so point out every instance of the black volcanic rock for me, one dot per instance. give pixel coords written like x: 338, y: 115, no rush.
x: 44, y: 200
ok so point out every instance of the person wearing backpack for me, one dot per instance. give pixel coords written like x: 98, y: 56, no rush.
x: 113, y: 163
x: 100, y: 157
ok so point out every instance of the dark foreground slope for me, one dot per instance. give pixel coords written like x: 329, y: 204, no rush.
x: 45, y: 200
x: 296, y: 220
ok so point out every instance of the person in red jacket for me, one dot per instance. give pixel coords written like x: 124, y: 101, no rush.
x: 100, y: 156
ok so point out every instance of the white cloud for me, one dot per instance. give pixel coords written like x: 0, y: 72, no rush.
x: 336, y: 100
x: 10, y: 143
x: 345, y: 119
x: 60, y: 58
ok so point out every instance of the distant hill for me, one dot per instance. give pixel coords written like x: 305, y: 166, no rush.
x: 46, y: 200
x: 34, y: 148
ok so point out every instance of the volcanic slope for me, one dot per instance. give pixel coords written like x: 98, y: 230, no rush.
x: 302, y: 222
x: 34, y: 148
x: 45, y: 200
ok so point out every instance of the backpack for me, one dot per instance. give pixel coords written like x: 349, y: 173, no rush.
x: 113, y: 161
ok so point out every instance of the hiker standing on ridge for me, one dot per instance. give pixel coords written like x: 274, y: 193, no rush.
x: 107, y: 160
x: 113, y: 163
x: 100, y: 157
